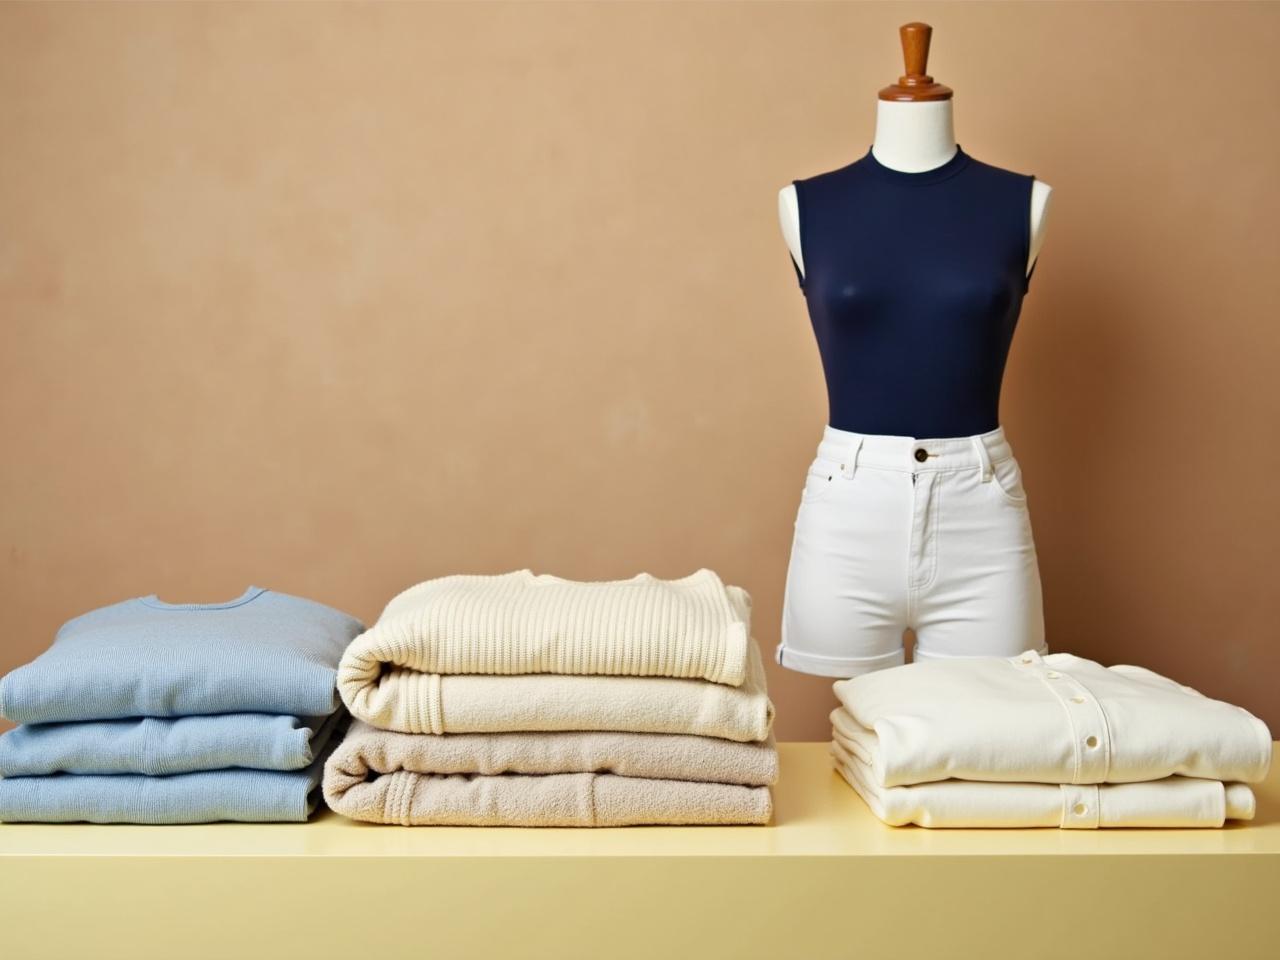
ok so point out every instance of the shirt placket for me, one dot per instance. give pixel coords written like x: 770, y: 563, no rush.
x: 1086, y: 722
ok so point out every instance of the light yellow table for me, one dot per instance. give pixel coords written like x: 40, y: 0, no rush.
x: 827, y: 880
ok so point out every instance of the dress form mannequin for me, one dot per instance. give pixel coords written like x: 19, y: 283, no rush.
x: 912, y: 515
x: 915, y: 131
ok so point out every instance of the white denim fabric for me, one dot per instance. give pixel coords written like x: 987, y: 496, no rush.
x: 895, y: 533
x: 1044, y: 719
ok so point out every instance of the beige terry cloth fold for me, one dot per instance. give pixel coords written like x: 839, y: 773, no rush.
x: 1173, y: 801
x: 554, y: 800
x: 661, y: 756
x: 521, y: 623
x: 402, y: 778
x: 431, y: 703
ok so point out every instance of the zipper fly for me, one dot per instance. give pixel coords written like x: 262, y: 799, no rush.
x: 923, y: 539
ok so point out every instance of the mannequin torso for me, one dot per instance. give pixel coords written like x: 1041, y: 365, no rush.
x: 916, y: 260
x: 913, y: 137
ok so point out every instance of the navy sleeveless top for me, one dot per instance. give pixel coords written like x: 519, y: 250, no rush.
x: 914, y: 282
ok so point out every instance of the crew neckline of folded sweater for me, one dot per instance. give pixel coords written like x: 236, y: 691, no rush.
x: 250, y: 594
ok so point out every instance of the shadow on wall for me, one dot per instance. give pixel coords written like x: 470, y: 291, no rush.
x: 1074, y: 419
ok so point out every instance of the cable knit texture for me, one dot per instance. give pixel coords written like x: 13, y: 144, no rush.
x: 411, y: 702
x: 522, y: 623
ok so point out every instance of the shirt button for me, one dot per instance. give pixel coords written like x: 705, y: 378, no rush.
x: 1077, y: 699
x: 1053, y: 676
x: 922, y: 455
x: 1080, y: 809
x: 1091, y: 742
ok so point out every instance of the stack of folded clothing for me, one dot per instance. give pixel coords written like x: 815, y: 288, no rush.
x: 1044, y: 741
x: 530, y: 700
x: 154, y: 712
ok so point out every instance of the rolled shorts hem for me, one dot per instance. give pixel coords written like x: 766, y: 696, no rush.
x: 842, y: 667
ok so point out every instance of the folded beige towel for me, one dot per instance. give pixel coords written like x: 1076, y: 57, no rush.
x: 522, y: 623
x: 660, y: 756
x: 1168, y: 802
x: 547, y: 780
x: 461, y: 703
x: 554, y: 800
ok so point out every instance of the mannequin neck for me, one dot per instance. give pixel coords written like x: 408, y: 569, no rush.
x: 914, y: 137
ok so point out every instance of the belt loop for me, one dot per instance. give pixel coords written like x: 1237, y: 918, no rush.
x: 851, y: 458
x: 984, y: 460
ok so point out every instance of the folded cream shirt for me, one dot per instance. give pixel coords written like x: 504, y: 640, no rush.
x: 1168, y: 802
x: 1054, y: 718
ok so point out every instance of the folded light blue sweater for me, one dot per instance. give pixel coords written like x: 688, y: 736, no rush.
x: 263, y: 652
x: 161, y: 746
x: 246, y: 795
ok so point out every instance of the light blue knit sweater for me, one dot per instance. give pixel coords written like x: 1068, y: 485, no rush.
x: 153, y: 712
x: 160, y: 746
x: 263, y: 652
x: 244, y: 795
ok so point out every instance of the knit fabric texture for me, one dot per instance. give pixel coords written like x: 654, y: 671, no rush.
x: 263, y: 652
x: 520, y: 623
x: 411, y: 702
x: 201, y: 797
x: 162, y: 746
x: 1168, y: 802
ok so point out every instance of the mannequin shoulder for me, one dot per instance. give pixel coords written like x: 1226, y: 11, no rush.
x: 1040, y: 194
x: 788, y: 203
x: 789, y: 220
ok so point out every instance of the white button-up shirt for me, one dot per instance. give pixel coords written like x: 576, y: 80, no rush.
x: 1054, y: 718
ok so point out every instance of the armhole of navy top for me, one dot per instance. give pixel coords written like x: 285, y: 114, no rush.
x: 1026, y: 221
x: 795, y: 185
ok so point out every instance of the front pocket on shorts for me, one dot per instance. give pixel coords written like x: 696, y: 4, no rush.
x: 820, y: 480
x: 1006, y: 476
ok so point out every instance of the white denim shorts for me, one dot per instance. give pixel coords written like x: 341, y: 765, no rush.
x: 895, y: 533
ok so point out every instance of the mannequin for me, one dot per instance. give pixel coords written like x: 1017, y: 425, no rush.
x: 912, y: 514
x: 913, y: 134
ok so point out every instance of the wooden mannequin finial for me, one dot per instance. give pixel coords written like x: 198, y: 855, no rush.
x: 915, y: 84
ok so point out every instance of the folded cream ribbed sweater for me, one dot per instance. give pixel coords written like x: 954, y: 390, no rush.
x: 431, y: 703
x: 522, y: 623
x: 1168, y: 802
x: 1054, y: 718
